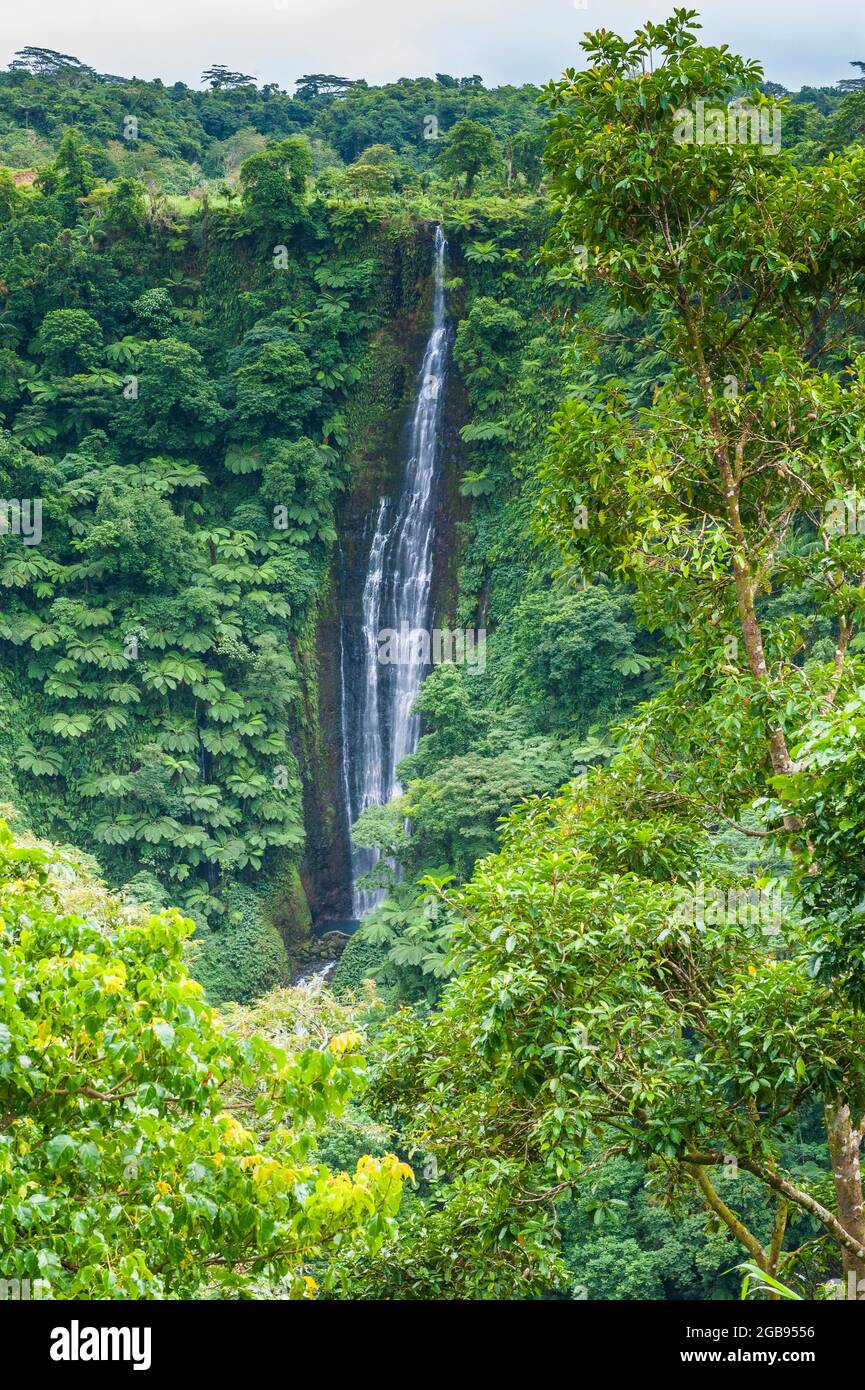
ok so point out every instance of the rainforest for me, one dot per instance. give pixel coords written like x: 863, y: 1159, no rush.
x: 432, y: 742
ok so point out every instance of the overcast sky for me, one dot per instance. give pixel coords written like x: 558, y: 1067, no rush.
x: 797, y: 41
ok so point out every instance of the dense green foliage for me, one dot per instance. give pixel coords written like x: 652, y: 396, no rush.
x: 595, y: 1002
x: 182, y: 137
x: 186, y: 431
x: 614, y: 1074
x: 145, y: 1151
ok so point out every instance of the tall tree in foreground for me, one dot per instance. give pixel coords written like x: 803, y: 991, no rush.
x: 733, y: 484
x: 600, y: 1007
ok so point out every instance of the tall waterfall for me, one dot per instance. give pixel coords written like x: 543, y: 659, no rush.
x: 378, y: 728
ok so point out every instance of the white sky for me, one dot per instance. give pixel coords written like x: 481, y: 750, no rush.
x: 798, y: 41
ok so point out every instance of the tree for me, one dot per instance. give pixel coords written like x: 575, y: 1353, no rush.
x: 450, y: 720
x: 853, y: 84
x: 138, y: 536
x: 485, y: 340
x: 525, y: 153
x: 470, y: 150
x: 174, y: 405
x: 71, y: 174
x: 47, y: 62
x: 274, y: 392
x: 10, y: 197
x: 455, y: 812
x: 221, y: 78
x: 383, y: 156
x: 710, y: 237
x: 125, y: 209
x: 145, y: 1152
x: 321, y: 84
x: 570, y: 658
x: 597, y: 1001
x: 590, y: 1008
x: 371, y: 180
x: 69, y: 340
x: 274, y: 182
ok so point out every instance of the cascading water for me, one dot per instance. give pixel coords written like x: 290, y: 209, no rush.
x: 378, y: 727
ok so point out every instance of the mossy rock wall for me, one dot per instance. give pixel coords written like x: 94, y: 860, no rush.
x: 243, y: 955
x: 285, y: 908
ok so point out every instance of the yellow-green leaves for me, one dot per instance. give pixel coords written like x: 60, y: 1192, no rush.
x: 145, y: 1151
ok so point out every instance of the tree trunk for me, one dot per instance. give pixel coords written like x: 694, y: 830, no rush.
x: 844, y: 1151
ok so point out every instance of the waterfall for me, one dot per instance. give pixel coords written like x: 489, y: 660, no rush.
x: 378, y: 728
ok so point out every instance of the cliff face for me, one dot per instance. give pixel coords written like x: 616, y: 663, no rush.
x: 378, y: 419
